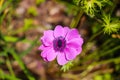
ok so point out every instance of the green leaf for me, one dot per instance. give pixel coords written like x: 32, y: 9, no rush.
x: 5, y: 76
x: 17, y: 58
x: 10, y: 68
x: 10, y: 39
x: 2, y: 8
x: 67, y: 66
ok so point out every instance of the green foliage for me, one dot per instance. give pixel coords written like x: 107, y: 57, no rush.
x: 8, y: 63
x: 27, y: 24
x: 106, y: 76
x: 110, y: 25
x: 5, y: 76
x: 2, y: 8
x: 32, y: 11
x: 77, y: 2
x: 7, y: 41
x: 10, y: 39
x: 21, y: 64
x: 67, y: 66
x: 92, y: 6
x: 96, y: 27
x: 98, y: 77
x: 38, y: 2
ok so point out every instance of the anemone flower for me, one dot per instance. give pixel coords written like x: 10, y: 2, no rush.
x: 62, y: 43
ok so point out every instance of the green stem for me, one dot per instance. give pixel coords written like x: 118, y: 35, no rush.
x: 106, y: 43
x: 76, y: 20
x: 108, y: 52
x: 101, y: 53
x: 8, y: 63
x: 92, y: 66
x: 10, y: 68
x: 95, y: 35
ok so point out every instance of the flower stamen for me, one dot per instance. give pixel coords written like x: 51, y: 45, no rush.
x: 59, y: 44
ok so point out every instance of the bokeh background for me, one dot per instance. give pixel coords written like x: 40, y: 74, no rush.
x: 22, y: 23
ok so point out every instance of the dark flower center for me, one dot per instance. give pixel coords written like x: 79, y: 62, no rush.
x: 59, y: 43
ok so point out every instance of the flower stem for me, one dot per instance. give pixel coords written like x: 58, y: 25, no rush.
x: 76, y: 20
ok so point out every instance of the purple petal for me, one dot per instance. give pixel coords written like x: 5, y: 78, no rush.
x: 51, y: 55
x: 75, y: 43
x: 61, y: 59
x: 45, y: 52
x: 58, y: 31
x: 79, y: 50
x: 66, y: 30
x: 45, y: 59
x: 70, y: 53
x: 73, y: 33
x: 42, y: 47
x: 47, y: 38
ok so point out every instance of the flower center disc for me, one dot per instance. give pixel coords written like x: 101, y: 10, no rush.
x: 59, y: 43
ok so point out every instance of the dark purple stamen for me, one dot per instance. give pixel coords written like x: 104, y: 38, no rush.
x: 59, y: 43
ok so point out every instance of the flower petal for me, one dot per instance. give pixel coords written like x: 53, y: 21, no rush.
x: 73, y: 33
x: 66, y: 30
x: 70, y: 53
x: 75, y: 43
x: 51, y: 55
x: 79, y: 50
x: 45, y: 59
x: 47, y: 38
x: 42, y: 47
x: 45, y: 52
x: 61, y: 59
x: 58, y: 31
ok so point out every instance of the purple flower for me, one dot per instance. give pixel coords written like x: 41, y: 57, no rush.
x: 63, y: 43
